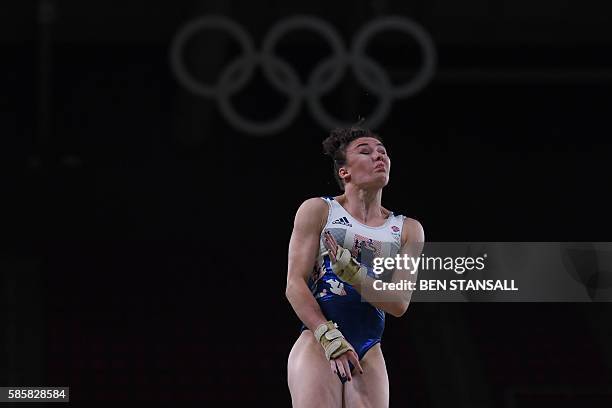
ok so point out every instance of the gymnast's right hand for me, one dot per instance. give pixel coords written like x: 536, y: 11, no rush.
x: 337, y: 350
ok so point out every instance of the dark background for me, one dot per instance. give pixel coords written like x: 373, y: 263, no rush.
x: 145, y: 238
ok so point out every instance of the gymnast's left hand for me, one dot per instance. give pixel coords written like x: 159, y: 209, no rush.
x: 330, y: 244
x: 343, y: 264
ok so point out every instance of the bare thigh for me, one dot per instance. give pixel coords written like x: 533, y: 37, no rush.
x: 370, y: 389
x: 311, y: 381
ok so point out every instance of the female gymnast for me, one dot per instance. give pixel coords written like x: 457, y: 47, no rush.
x: 337, y: 360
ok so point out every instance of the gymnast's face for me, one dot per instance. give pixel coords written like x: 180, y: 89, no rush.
x: 367, y: 164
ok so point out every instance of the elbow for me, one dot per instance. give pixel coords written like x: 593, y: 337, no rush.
x: 399, y: 309
x: 295, y: 290
x: 290, y: 290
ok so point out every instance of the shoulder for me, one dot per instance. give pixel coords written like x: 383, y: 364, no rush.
x: 312, y: 212
x: 314, y: 205
x: 412, y: 231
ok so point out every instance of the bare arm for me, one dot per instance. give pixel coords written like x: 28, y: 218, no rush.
x: 391, y: 301
x: 413, y: 237
x: 303, y: 247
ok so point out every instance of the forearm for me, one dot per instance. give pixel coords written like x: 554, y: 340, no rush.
x: 377, y: 289
x: 325, y: 332
x: 304, y: 304
x: 391, y: 301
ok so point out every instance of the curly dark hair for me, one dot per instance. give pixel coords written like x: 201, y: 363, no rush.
x: 336, y: 143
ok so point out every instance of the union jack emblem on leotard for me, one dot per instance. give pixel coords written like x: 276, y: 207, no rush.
x: 342, y: 221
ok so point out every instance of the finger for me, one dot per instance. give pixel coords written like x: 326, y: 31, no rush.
x: 333, y: 245
x: 330, y: 251
x: 332, y: 364
x: 333, y: 251
x: 347, y: 368
x: 332, y: 240
x: 355, y: 360
x: 340, y: 367
x: 327, y: 243
x: 334, y: 248
x: 332, y: 255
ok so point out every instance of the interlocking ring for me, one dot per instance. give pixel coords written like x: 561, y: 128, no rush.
x: 324, y: 77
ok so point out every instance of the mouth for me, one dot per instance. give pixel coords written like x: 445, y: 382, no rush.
x: 380, y: 167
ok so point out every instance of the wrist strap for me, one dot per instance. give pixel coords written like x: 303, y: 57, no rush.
x: 343, y: 257
x: 324, y: 328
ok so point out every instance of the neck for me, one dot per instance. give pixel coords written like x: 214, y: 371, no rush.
x: 363, y: 203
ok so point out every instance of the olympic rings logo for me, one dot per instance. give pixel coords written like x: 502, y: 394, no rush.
x: 324, y: 76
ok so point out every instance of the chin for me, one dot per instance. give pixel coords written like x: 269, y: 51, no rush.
x: 384, y: 179
x: 379, y: 182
